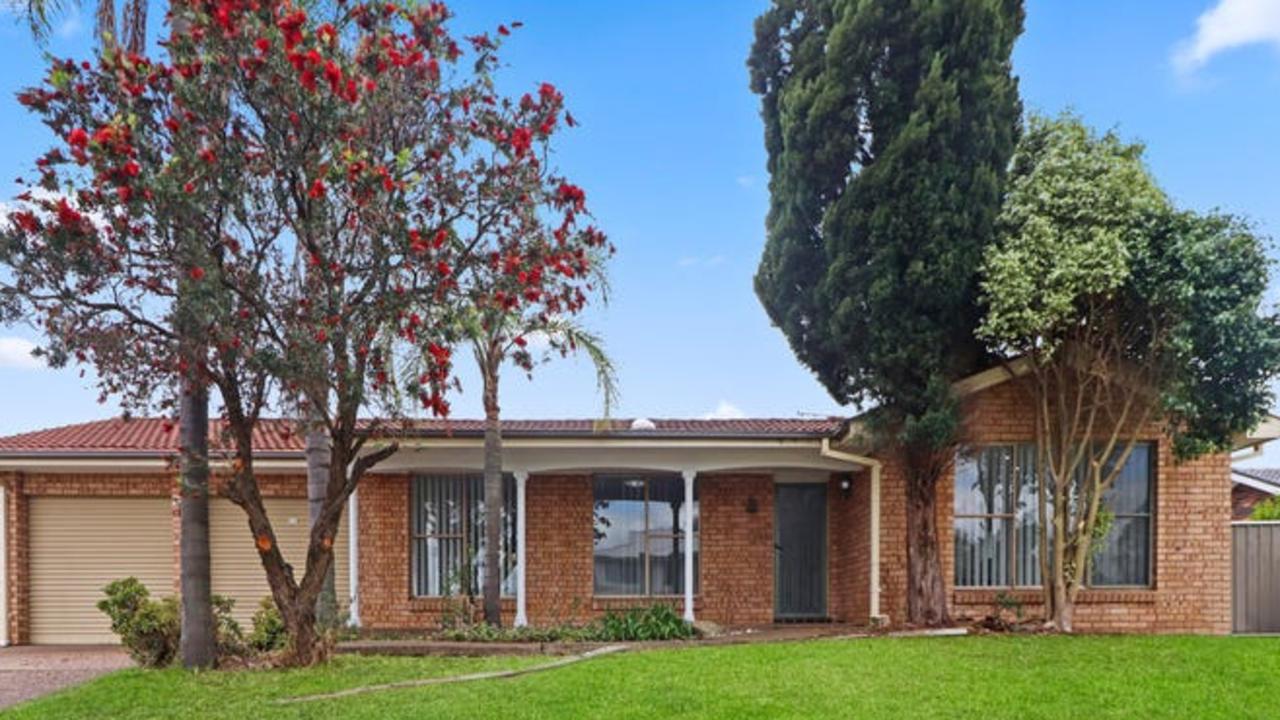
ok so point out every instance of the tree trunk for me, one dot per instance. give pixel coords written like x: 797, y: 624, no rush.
x: 318, y: 473
x: 926, y: 592
x: 492, y: 498
x: 198, y: 641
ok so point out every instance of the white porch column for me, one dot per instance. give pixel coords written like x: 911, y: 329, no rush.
x: 353, y: 557
x: 875, y: 544
x: 522, y: 615
x: 4, y: 567
x: 689, y: 476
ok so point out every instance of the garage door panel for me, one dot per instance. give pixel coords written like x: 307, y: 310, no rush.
x: 236, y: 569
x: 78, y: 546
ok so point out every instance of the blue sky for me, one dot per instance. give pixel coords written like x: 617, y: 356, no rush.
x: 671, y: 156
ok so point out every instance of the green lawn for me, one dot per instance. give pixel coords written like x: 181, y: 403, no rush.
x: 984, y: 677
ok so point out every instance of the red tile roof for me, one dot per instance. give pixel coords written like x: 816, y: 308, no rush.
x: 147, y: 436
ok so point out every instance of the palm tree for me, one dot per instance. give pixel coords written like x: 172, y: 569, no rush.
x: 493, y: 343
x: 133, y: 22
x: 197, y: 643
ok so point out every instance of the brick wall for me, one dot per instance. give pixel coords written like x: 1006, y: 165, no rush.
x: 1192, y: 583
x: 736, y: 549
x: 1243, y: 498
x: 849, y: 558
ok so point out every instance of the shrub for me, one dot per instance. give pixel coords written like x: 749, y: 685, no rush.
x: 151, y: 629
x: 268, y: 628
x: 1267, y: 510
x: 656, y: 622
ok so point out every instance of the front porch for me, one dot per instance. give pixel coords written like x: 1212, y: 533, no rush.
x: 783, y: 529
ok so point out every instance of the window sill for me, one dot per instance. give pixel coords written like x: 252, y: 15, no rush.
x: 625, y: 602
x: 1029, y: 596
x: 437, y: 604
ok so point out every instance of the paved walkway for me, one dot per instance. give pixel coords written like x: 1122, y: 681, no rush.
x: 28, y: 671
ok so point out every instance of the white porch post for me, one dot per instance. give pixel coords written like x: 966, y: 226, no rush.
x: 353, y: 557
x: 689, y: 476
x: 522, y: 616
x: 875, y: 543
x: 4, y: 566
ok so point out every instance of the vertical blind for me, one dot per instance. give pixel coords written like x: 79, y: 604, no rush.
x: 448, y: 537
x: 639, y: 535
x: 997, y: 520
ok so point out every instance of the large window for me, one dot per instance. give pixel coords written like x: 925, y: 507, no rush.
x: 639, y: 535
x: 447, y: 528
x: 997, y: 521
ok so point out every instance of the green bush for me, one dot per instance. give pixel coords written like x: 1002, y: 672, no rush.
x: 656, y: 622
x: 268, y: 628
x: 1267, y: 510
x: 151, y: 629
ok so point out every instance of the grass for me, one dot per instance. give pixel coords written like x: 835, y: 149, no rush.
x: 977, y: 677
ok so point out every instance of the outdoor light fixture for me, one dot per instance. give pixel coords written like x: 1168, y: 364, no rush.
x: 752, y: 505
x: 846, y: 486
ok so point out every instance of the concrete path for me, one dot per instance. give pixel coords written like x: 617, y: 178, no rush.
x: 28, y: 671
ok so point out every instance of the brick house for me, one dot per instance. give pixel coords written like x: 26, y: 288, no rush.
x: 789, y: 522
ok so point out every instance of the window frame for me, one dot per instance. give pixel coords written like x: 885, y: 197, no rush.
x: 470, y: 504
x: 676, y: 537
x: 1153, y: 449
x: 1010, y: 516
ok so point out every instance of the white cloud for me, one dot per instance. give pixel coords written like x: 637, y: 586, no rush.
x: 70, y: 25
x: 745, y: 181
x: 725, y: 411
x: 1229, y: 24
x: 15, y: 352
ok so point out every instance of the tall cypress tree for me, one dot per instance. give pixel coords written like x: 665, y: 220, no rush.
x: 889, y: 127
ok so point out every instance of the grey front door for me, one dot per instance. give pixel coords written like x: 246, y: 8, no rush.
x: 800, y: 551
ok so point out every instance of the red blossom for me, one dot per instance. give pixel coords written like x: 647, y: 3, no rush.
x: 333, y: 74
x: 263, y: 44
x: 78, y: 138
x: 208, y: 155
x: 308, y: 80
x: 521, y: 139
x: 196, y: 273
x: 131, y: 169
x: 317, y: 188
x: 291, y: 26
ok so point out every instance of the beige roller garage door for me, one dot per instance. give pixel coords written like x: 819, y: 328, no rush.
x: 78, y: 545
x: 237, y: 571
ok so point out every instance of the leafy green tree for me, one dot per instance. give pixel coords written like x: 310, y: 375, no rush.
x: 132, y: 26
x: 1126, y: 314
x: 889, y: 127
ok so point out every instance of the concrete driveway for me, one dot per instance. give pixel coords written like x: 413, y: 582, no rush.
x: 29, y: 671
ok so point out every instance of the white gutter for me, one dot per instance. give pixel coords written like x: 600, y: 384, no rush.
x: 4, y: 566
x: 874, y: 533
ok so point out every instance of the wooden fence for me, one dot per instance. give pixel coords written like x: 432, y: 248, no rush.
x: 1255, y: 577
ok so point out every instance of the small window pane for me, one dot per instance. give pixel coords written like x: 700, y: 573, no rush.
x: 1125, y: 557
x: 1131, y: 493
x: 982, y: 552
x: 983, y: 482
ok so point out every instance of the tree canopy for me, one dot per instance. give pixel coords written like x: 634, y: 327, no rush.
x: 1091, y: 251
x: 889, y: 127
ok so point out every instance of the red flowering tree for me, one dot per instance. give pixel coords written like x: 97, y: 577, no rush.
x: 311, y: 188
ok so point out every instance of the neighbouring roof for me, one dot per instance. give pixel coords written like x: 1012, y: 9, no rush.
x: 155, y: 436
x: 1264, y: 479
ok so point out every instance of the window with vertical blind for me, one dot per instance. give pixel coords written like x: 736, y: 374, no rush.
x: 639, y: 528
x: 997, y: 520
x: 447, y: 540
